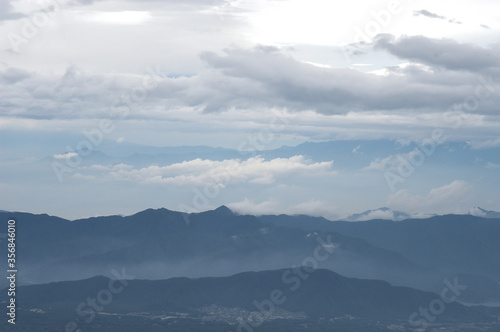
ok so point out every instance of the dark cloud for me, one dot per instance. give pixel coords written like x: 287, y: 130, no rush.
x: 6, y: 12
x: 445, y: 53
x: 260, y: 78
x: 14, y: 75
x: 427, y: 13
x: 185, y: 3
x: 278, y: 80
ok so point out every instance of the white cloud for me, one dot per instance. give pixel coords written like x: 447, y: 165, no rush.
x: 377, y: 214
x: 316, y: 208
x: 443, y: 199
x: 313, y: 207
x: 65, y: 155
x: 121, y: 17
x: 200, y: 172
x: 247, y: 206
x: 391, y: 163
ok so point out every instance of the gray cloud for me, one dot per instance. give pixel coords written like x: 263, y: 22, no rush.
x: 260, y: 78
x: 173, y: 2
x: 427, y: 13
x: 13, y: 75
x: 280, y: 80
x: 446, y: 53
x: 6, y: 13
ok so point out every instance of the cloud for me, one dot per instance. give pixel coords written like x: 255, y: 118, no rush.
x: 316, y: 208
x: 273, y: 206
x: 452, y: 20
x: 445, y: 53
x: 120, y: 17
x: 443, y: 199
x: 202, y: 172
x: 13, y: 75
x: 7, y: 13
x: 247, y: 206
x: 177, y: 3
x: 392, y: 163
x: 377, y: 214
x: 427, y: 13
x: 261, y: 78
x: 65, y: 155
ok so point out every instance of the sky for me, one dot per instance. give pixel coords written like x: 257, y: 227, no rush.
x: 85, y: 85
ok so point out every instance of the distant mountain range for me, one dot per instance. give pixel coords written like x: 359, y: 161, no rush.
x: 198, y: 265
x: 297, y: 295
x: 160, y: 244
x: 360, y: 162
x: 459, y: 243
x: 449, y: 245
x: 384, y: 213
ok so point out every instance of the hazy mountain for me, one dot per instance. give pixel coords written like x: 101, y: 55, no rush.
x: 465, y: 243
x: 479, y: 212
x: 449, y: 245
x: 159, y: 244
x: 295, y: 295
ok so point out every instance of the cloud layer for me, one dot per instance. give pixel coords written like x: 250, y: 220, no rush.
x: 201, y: 172
x: 263, y: 78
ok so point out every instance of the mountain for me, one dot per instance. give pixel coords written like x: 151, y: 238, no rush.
x: 459, y: 243
x: 451, y: 245
x: 296, y: 295
x: 159, y: 244
x: 479, y: 212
